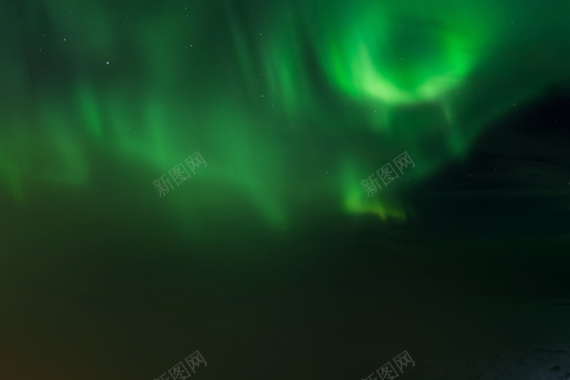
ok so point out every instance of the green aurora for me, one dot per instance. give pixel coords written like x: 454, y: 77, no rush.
x: 291, y: 103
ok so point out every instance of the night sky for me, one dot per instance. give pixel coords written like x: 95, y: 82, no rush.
x: 227, y: 176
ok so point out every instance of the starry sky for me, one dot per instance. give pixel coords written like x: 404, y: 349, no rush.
x: 292, y: 104
x: 291, y: 101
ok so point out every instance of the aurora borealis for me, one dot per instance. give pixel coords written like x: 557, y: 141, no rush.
x: 292, y: 103
x: 137, y: 81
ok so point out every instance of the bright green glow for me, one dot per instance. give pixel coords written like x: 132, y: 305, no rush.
x: 354, y: 202
x: 423, y: 77
x: 391, y: 55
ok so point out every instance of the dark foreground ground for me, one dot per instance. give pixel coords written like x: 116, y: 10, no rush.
x: 330, y: 298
